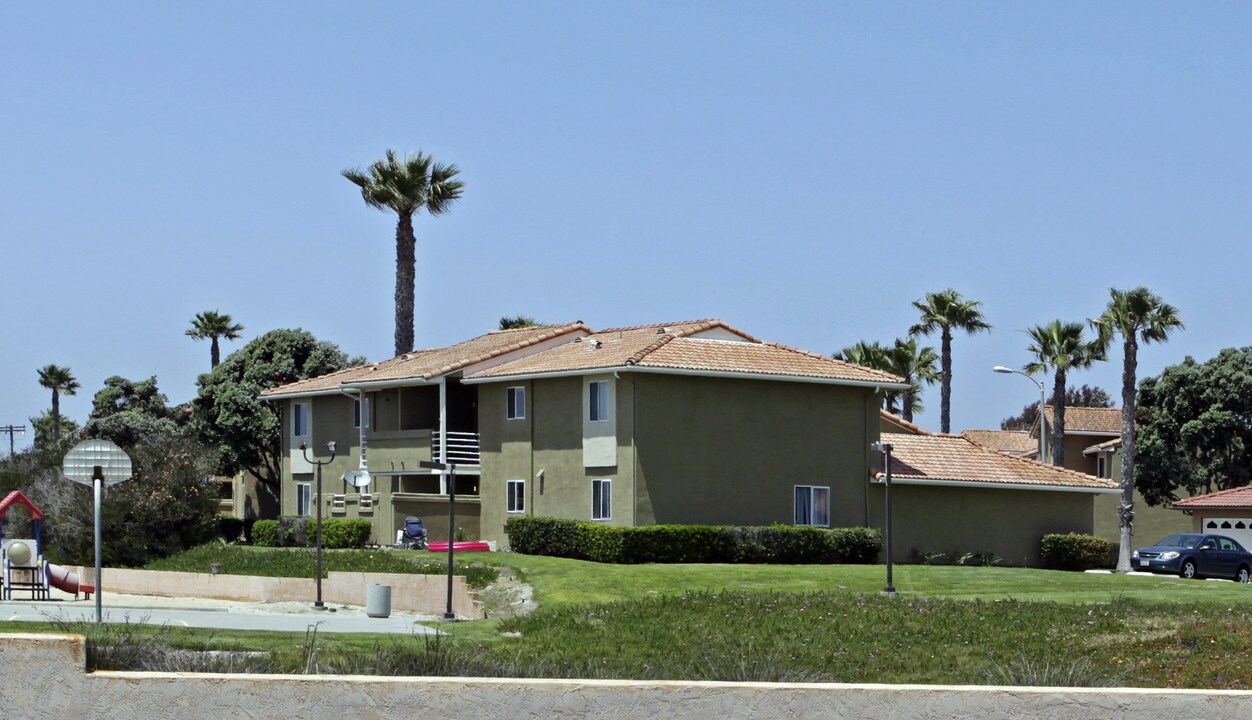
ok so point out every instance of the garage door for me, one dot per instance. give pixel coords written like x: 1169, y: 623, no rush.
x: 1238, y: 528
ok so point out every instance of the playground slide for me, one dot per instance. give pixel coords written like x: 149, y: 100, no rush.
x: 67, y: 580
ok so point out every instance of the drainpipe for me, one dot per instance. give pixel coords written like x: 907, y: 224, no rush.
x: 443, y: 434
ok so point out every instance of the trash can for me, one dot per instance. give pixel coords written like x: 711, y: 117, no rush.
x: 378, y: 601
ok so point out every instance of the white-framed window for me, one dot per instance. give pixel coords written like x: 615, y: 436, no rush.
x: 358, y: 416
x: 304, y: 499
x: 300, y: 420
x: 598, y: 395
x: 812, y: 505
x: 517, y: 403
x: 516, y: 496
x: 601, y: 499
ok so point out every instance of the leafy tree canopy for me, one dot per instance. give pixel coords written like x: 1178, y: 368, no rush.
x: 229, y: 414
x: 1195, y: 427
x: 1085, y: 396
x: 45, y: 439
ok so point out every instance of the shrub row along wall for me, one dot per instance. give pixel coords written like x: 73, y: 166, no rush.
x: 45, y: 678
x: 1073, y: 551
x: 778, y: 544
x: 337, y: 533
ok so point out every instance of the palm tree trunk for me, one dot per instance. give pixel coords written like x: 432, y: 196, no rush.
x: 945, y: 390
x: 56, y: 414
x: 215, y: 355
x: 906, y: 403
x: 406, y: 275
x: 1126, y: 513
x: 1058, y: 419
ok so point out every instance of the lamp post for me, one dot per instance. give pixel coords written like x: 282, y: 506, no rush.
x: 885, y: 449
x: 304, y: 450
x: 451, y: 469
x: 1043, y: 443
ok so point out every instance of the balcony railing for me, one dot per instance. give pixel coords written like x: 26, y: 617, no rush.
x: 462, y: 448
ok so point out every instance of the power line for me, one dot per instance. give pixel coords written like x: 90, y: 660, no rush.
x: 12, y: 430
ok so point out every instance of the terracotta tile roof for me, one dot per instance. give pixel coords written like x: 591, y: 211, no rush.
x: 957, y: 458
x: 1013, y: 442
x: 428, y: 364
x: 677, y: 346
x: 1106, y: 446
x: 1240, y: 497
x: 901, y: 423
x: 1089, y: 419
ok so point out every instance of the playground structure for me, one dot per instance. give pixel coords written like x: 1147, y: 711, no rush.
x: 23, y: 566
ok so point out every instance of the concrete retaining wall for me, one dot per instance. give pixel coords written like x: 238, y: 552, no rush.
x: 44, y: 678
x: 426, y: 594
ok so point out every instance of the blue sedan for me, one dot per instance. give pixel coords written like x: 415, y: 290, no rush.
x: 1192, y: 555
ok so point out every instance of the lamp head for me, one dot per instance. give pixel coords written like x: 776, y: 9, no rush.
x: 882, y: 447
x: 303, y: 447
x: 331, y: 446
x: 1001, y: 369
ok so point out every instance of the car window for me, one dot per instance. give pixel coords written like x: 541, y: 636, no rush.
x: 1227, y: 544
x: 1187, y: 541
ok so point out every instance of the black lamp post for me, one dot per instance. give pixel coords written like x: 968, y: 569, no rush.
x: 885, y: 449
x: 304, y: 450
x: 451, y: 469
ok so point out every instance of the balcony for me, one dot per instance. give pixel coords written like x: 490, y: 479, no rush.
x: 462, y: 448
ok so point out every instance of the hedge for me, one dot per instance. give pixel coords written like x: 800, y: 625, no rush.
x: 299, y: 532
x: 776, y: 544
x: 1074, y: 552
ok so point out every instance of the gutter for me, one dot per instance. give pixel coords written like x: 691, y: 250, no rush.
x: 897, y: 480
x: 291, y: 395
x: 877, y: 385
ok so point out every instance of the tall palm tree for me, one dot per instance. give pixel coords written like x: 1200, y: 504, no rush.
x: 944, y: 312
x: 1060, y: 347
x: 405, y: 186
x: 1138, y: 315
x: 61, y: 382
x: 213, y: 325
x: 916, y: 364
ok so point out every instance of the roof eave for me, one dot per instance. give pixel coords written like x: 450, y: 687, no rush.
x: 878, y: 479
x: 684, y: 371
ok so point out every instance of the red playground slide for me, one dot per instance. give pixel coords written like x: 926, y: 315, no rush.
x: 67, y: 580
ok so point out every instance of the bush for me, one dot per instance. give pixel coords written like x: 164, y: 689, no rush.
x: 1074, y: 552
x: 344, y: 533
x: 337, y: 533
x: 229, y: 527
x: 265, y: 533
x: 777, y: 544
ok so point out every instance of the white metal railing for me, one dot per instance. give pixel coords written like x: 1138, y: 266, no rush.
x: 462, y: 448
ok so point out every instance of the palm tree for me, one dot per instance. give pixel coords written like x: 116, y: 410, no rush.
x: 405, y: 186
x: 1061, y: 347
x: 61, y: 382
x: 513, y: 322
x: 916, y: 365
x: 213, y: 325
x: 946, y: 311
x: 1138, y: 315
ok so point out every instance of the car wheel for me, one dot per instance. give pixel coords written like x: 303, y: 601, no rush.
x: 1243, y: 575
x: 1188, y: 570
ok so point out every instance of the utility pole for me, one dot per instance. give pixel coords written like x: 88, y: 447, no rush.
x: 11, y: 430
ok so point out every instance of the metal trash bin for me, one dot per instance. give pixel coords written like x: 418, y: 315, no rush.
x: 378, y: 601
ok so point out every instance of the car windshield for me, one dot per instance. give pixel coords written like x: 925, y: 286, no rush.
x: 1186, y: 541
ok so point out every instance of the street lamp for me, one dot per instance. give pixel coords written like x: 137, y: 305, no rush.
x: 451, y: 469
x: 885, y: 449
x: 1043, y: 443
x: 304, y: 450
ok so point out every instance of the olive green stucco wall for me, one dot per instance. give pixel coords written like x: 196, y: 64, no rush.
x: 1008, y: 523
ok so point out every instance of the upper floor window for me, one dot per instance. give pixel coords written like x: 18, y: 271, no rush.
x: 300, y: 419
x: 517, y: 403
x: 812, y: 505
x: 598, y: 394
x: 358, y: 416
x: 1102, y: 466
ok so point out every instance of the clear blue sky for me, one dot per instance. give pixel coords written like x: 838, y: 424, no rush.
x: 800, y: 170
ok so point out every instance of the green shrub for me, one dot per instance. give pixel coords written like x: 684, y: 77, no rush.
x: 1074, y: 552
x: 265, y: 533
x: 344, y: 533
x: 777, y: 544
x: 229, y: 527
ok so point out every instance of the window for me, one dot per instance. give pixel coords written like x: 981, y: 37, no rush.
x: 300, y: 420
x: 517, y: 496
x: 517, y: 403
x: 812, y: 505
x: 304, y: 499
x: 598, y: 392
x: 601, y: 499
x: 357, y: 416
x: 1102, y: 466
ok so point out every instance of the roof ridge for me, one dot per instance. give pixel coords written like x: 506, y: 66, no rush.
x: 886, y: 376
x: 892, y: 417
x: 499, y: 331
x: 555, y: 331
x: 659, y: 325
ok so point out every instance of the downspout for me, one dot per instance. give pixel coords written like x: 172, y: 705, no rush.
x: 443, y: 433
x: 534, y: 479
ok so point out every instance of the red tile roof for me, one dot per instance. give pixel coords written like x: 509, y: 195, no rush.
x: 1240, y: 498
x: 1089, y: 419
x: 954, y: 458
x: 901, y: 423
x: 1013, y: 442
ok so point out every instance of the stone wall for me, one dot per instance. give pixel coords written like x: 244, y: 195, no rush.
x: 44, y: 678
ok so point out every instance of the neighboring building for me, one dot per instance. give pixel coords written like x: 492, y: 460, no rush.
x: 1011, y: 442
x: 693, y: 422
x: 952, y: 495
x: 1225, y: 512
x: 1084, y: 427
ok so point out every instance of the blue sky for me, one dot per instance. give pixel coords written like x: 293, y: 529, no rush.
x: 800, y: 170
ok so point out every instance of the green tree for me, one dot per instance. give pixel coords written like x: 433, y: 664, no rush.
x: 228, y: 413
x: 944, y: 312
x: 1060, y: 347
x: 1085, y: 396
x: 212, y: 325
x: 125, y: 412
x: 512, y: 322
x: 405, y: 186
x: 45, y: 436
x: 1194, y: 427
x: 874, y: 356
x: 916, y: 364
x: 61, y: 382
x: 1138, y: 316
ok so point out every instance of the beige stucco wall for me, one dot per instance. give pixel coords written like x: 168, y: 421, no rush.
x: 45, y: 678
